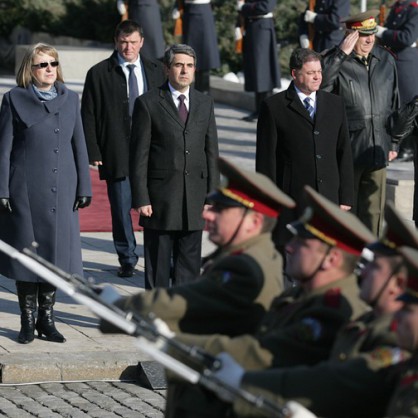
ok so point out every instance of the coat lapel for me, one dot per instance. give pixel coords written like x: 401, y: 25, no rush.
x: 295, y: 104
x: 30, y: 109
x: 168, y: 105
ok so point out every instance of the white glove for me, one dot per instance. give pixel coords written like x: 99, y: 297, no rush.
x: 120, y: 4
x: 310, y: 16
x: 298, y: 411
x: 380, y: 30
x: 240, y: 3
x: 238, y: 33
x: 175, y: 14
x: 230, y: 372
x: 163, y: 328
x: 304, y: 41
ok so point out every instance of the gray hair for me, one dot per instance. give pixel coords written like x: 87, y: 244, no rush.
x: 171, y: 51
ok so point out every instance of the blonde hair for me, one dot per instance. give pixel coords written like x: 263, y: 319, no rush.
x: 24, y: 76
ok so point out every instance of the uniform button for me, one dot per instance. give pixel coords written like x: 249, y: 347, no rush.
x: 342, y: 356
x: 316, y: 133
x: 187, y: 152
x: 53, y: 189
x: 53, y: 210
x: 56, y: 150
x: 56, y: 130
x: 55, y: 170
x: 186, y: 173
x: 318, y: 156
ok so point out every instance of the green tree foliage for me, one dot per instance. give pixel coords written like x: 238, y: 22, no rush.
x: 96, y: 19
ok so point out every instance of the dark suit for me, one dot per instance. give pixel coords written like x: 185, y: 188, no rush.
x: 294, y: 150
x: 107, y: 124
x: 173, y: 167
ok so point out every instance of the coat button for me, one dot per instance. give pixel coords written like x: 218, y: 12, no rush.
x: 186, y: 173
x: 53, y: 210
x: 316, y: 133
x: 56, y: 150
x: 55, y: 170
x: 187, y: 152
x: 318, y: 156
x: 56, y: 130
x: 53, y: 189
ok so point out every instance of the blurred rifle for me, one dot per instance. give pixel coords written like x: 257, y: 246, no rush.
x: 178, y: 24
x: 239, y: 28
x: 382, y: 12
x: 126, y: 14
x: 311, y: 28
x: 149, y: 338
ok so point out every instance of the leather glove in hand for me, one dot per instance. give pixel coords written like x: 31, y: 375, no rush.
x: 310, y: 16
x: 5, y: 205
x: 82, y: 202
x: 120, y: 4
x: 299, y: 411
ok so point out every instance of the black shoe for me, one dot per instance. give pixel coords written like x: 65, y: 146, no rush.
x: 126, y: 270
x: 251, y: 117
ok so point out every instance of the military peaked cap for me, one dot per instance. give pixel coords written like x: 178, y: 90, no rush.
x: 325, y: 221
x: 249, y: 189
x: 363, y: 22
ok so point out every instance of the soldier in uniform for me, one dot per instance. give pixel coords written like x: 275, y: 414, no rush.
x: 301, y: 324
x: 365, y: 76
x: 261, y: 68
x: 325, y: 19
x: 147, y: 14
x: 400, y: 35
x: 200, y: 33
x: 403, y: 402
x: 241, y: 278
x: 358, y: 375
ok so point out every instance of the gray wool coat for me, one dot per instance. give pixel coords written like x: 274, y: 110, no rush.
x: 43, y: 168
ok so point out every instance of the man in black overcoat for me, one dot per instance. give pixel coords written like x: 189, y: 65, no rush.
x: 174, y: 151
x: 106, y: 113
x: 298, y: 147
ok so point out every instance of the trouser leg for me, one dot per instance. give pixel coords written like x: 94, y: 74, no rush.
x: 157, y: 256
x: 120, y: 199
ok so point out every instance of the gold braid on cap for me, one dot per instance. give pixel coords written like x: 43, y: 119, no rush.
x: 320, y: 235
x: 234, y: 196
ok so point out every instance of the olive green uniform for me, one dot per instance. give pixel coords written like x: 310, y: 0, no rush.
x: 356, y: 381
x: 403, y: 403
x: 299, y: 328
x: 231, y: 297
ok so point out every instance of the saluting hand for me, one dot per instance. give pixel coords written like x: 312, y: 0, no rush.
x: 348, y: 43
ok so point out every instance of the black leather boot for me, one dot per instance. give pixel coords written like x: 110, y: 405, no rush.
x: 45, y: 323
x: 26, y: 294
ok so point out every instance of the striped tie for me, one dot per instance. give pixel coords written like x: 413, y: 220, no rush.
x: 309, y: 107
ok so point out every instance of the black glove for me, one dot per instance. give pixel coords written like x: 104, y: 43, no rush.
x: 5, y: 205
x: 82, y: 202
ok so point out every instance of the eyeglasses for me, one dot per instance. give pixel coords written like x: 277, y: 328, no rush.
x: 45, y: 64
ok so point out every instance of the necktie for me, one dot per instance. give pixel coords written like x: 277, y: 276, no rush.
x: 308, y: 106
x: 183, y: 113
x: 133, y: 87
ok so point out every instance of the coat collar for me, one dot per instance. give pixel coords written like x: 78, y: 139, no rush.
x: 168, y: 104
x: 296, y: 104
x: 30, y: 109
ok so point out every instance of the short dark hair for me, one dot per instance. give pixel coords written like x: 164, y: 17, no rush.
x: 128, y: 27
x: 302, y: 55
x: 178, y: 49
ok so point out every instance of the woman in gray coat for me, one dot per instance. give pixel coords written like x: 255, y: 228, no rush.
x: 44, y: 179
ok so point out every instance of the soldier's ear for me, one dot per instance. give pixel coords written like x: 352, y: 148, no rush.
x: 293, y: 74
